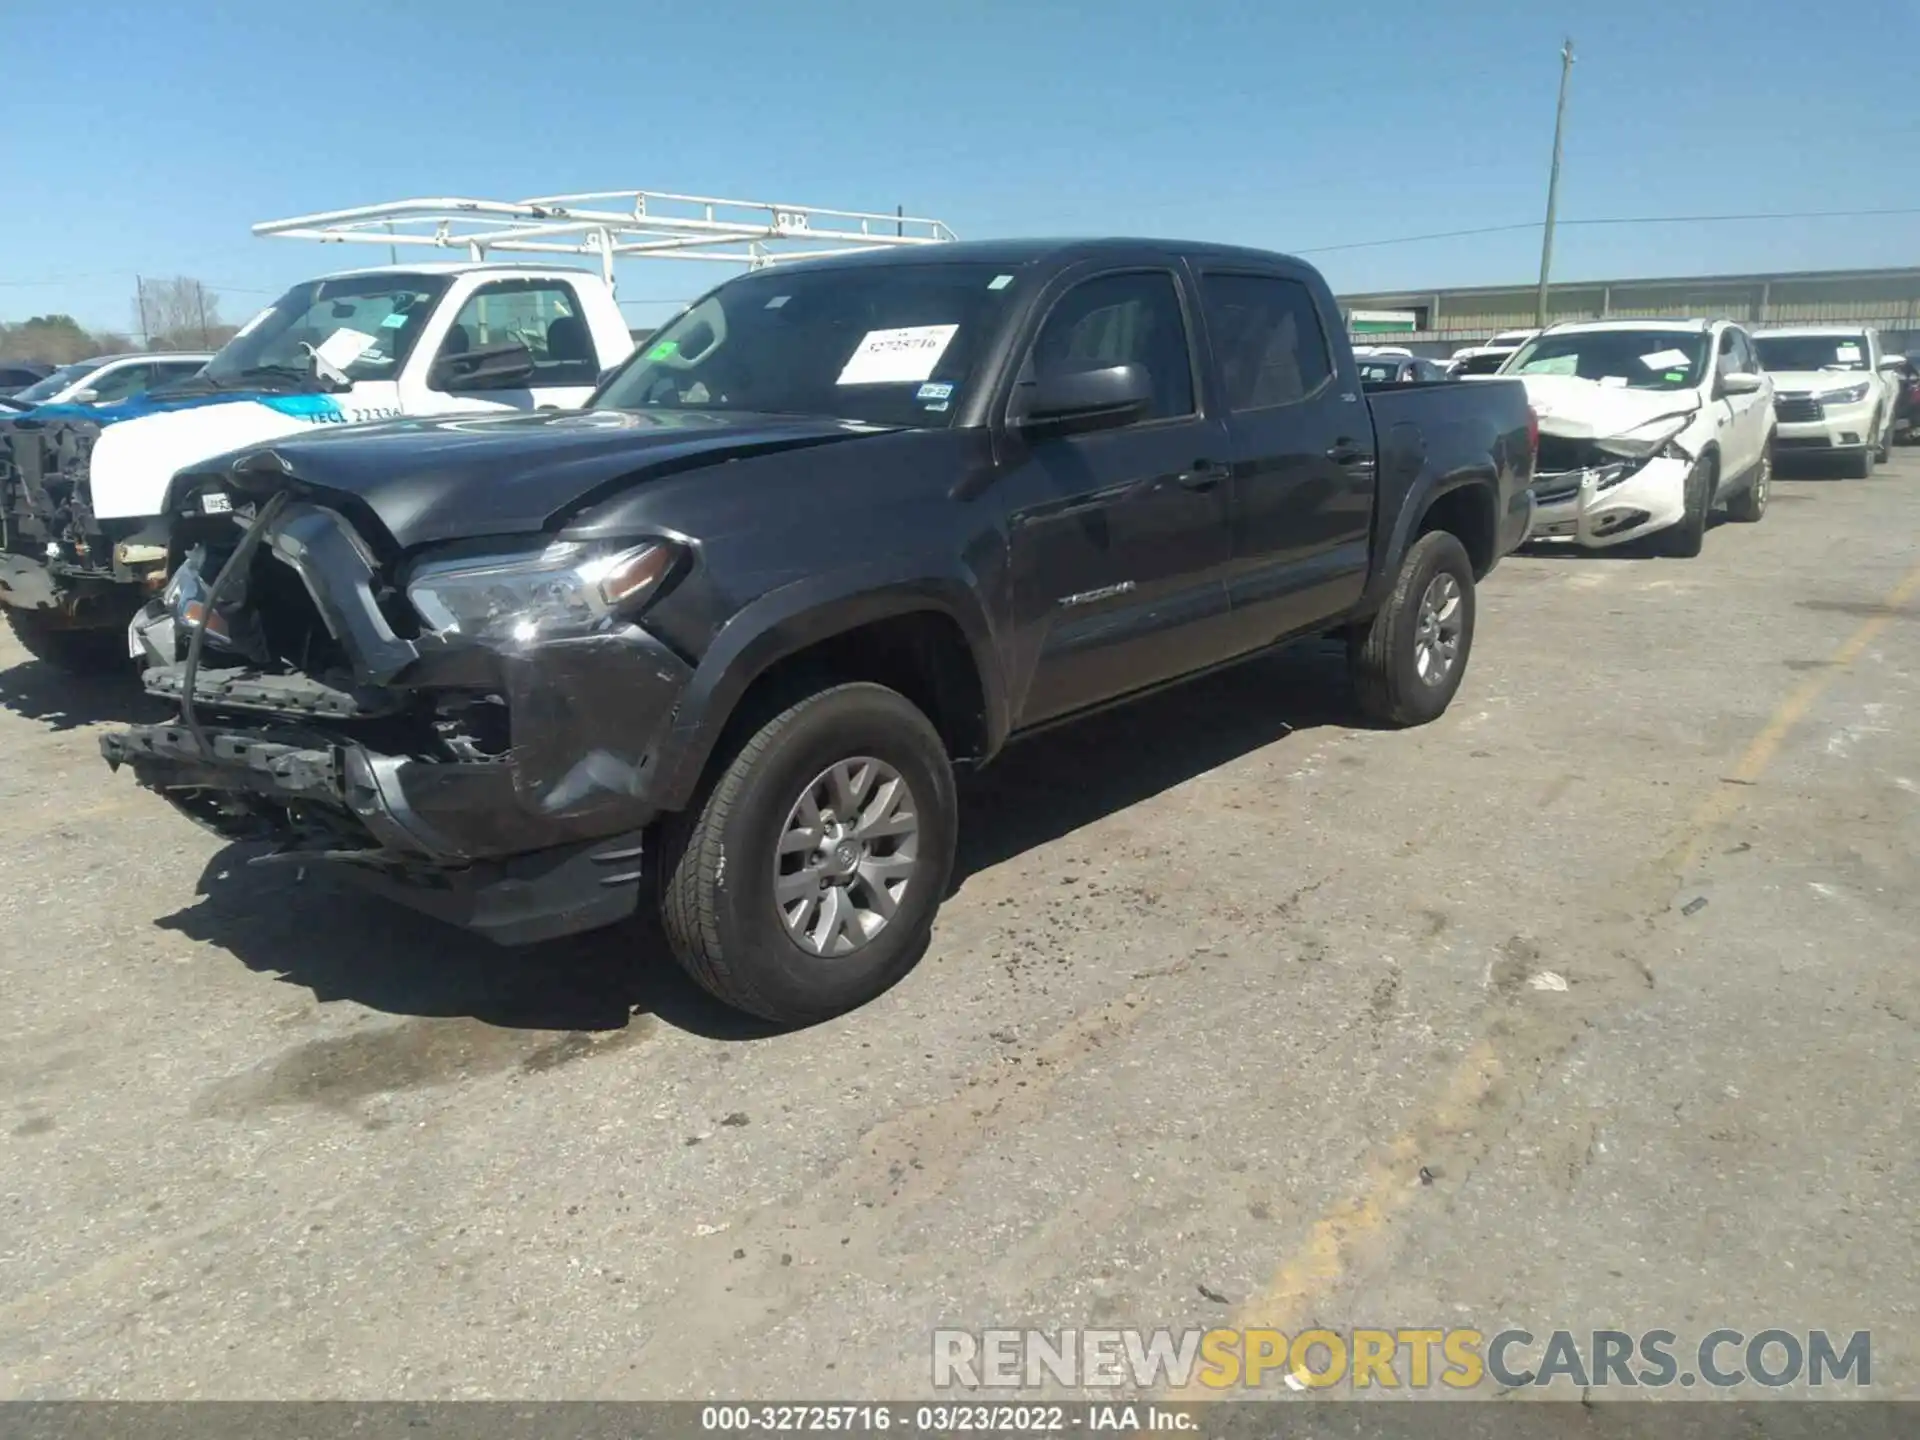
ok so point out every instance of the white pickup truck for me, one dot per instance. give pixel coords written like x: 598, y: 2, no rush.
x: 83, y: 491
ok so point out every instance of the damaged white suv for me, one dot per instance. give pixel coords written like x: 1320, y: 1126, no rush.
x: 1645, y: 427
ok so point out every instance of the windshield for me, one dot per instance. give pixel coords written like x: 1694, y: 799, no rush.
x: 892, y: 344
x: 1483, y: 364
x: 364, y: 326
x: 1636, y: 359
x: 44, y: 390
x: 1812, y: 352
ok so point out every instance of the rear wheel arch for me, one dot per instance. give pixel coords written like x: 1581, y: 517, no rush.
x: 1469, y: 513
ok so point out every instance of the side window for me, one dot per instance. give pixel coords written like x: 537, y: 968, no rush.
x: 1743, y: 358
x: 543, y: 315
x: 1725, y: 359
x: 122, y: 382
x: 1268, y: 337
x: 1120, y: 320
x: 170, y: 372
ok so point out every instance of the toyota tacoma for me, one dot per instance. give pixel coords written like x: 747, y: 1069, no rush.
x: 840, y: 527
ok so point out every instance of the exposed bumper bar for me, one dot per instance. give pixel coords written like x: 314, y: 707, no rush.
x: 442, y: 838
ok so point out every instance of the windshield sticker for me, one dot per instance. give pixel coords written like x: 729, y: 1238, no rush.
x: 344, y: 346
x: 1614, y: 382
x: 663, y: 350
x: 1849, y: 354
x: 905, y: 356
x: 777, y: 301
x: 938, y: 406
x: 394, y: 321
x: 1664, y: 359
x: 1674, y: 377
x: 934, y: 390
x: 1000, y: 282
x: 246, y: 328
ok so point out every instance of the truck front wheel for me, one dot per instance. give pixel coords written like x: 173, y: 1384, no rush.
x: 84, y: 651
x: 1408, y: 661
x: 805, y: 880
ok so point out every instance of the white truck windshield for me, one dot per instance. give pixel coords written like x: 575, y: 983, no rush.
x: 362, y: 326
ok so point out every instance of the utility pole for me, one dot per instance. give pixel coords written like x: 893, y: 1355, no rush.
x: 140, y: 301
x: 1553, y: 189
x: 899, y: 224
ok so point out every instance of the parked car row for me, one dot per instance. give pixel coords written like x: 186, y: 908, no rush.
x: 1648, y: 426
x: 460, y: 599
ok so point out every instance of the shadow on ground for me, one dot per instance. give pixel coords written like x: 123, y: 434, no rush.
x: 66, y: 701
x: 341, y: 944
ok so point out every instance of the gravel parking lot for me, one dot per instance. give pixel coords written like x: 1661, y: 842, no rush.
x: 1223, y: 977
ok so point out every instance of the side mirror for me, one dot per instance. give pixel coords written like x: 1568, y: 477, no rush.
x: 1893, y: 362
x: 84, y: 397
x: 1072, y: 400
x: 491, y: 367
x: 1740, y: 382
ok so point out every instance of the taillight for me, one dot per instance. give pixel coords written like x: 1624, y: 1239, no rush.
x: 1533, y: 432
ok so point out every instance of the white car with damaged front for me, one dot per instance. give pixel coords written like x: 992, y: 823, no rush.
x: 1646, y: 426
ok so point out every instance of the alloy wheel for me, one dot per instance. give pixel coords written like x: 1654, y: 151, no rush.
x: 1437, y: 629
x: 846, y: 856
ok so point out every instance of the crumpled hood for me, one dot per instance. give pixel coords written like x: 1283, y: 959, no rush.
x: 459, y: 477
x: 1577, y: 409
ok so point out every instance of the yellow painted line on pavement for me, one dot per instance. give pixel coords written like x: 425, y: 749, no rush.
x: 1390, y: 1181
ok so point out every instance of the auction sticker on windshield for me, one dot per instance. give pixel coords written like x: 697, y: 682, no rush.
x: 1664, y: 359
x: 897, y: 357
x: 344, y: 346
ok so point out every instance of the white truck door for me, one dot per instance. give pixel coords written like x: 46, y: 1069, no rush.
x: 543, y: 313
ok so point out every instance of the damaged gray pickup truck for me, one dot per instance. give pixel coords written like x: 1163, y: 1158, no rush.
x: 840, y: 528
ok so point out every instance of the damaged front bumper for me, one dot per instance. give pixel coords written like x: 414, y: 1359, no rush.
x: 55, y: 554
x: 522, y: 824
x: 337, y: 804
x: 1610, y: 504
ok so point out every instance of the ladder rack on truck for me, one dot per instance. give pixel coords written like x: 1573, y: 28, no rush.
x: 615, y: 224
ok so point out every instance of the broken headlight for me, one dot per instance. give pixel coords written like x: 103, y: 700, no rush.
x: 565, y: 589
x: 1656, y: 440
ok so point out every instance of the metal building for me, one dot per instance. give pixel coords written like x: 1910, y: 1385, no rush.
x: 1888, y: 300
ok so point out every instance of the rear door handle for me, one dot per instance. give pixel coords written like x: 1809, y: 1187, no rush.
x: 1345, y: 452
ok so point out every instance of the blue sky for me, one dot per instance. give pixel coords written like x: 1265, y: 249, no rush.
x: 148, y: 137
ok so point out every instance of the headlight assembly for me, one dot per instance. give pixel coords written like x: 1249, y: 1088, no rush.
x: 1852, y: 395
x: 565, y: 589
x: 1650, y: 440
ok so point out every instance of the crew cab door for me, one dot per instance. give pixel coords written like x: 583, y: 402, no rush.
x: 545, y: 314
x: 1302, y: 443
x: 1117, y: 537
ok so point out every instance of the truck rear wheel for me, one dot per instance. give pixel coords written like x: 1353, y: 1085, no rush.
x: 805, y: 880
x: 78, y: 651
x: 1408, y: 661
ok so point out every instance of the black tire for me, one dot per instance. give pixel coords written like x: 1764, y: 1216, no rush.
x: 718, y: 860
x: 1751, y: 503
x: 1383, y: 655
x: 1859, y: 465
x: 1686, y: 539
x: 1883, y: 451
x: 79, y: 652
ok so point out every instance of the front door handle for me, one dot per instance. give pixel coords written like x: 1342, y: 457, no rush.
x: 1201, y: 475
x: 1345, y: 452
